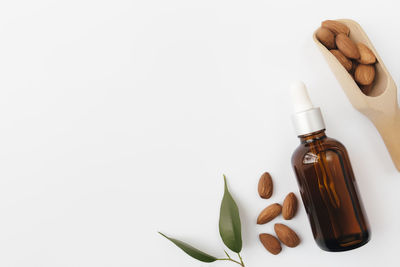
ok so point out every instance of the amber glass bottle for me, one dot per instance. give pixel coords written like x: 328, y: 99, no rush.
x: 326, y: 181
x: 329, y: 193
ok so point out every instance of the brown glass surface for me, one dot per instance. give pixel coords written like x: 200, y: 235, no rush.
x: 329, y: 192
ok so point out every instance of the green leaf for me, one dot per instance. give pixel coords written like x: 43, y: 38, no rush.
x: 191, y: 251
x: 229, y: 222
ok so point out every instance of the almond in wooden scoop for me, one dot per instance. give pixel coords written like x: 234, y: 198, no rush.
x: 353, y: 67
x: 289, y: 206
x: 364, y: 74
x: 286, y: 235
x: 346, y: 63
x: 366, y: 89
x: 366, y: 55
x: 265, y: 186
x: 269, y: 213
x: 336, y: 27
x: 326, y: 37
x: 271, y: 243
x: 347, y: 46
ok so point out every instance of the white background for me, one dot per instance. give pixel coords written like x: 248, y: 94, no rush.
x: 118, y: 119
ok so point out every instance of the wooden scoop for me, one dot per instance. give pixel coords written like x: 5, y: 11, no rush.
x: 379, y: 104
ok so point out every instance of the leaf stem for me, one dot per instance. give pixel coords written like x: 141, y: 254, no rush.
x: 241, y: 260
x: 226, y: 253
x: 241, y: 263
x: 230, y: 259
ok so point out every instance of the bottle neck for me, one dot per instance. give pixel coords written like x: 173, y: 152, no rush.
x: 312, y: 137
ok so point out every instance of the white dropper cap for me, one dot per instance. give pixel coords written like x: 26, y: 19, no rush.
x: 300, y: 98
x: 306, y: 119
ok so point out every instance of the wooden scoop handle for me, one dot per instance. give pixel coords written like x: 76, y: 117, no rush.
x: 388, y: 126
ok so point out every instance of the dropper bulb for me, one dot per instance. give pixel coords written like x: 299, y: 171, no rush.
x: 300, y: 99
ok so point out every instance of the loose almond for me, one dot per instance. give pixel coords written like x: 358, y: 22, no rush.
x: 347, y: 46
x: 271, y: 243
x: 265, y: 186
x: 326, y: 37
x: 289, y: 207
x: 366, y: 55
x: 269, y: 213
x: 286, y: 235
x: 346, y: 63
x: 336, y: 27
x: 364, y: 74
